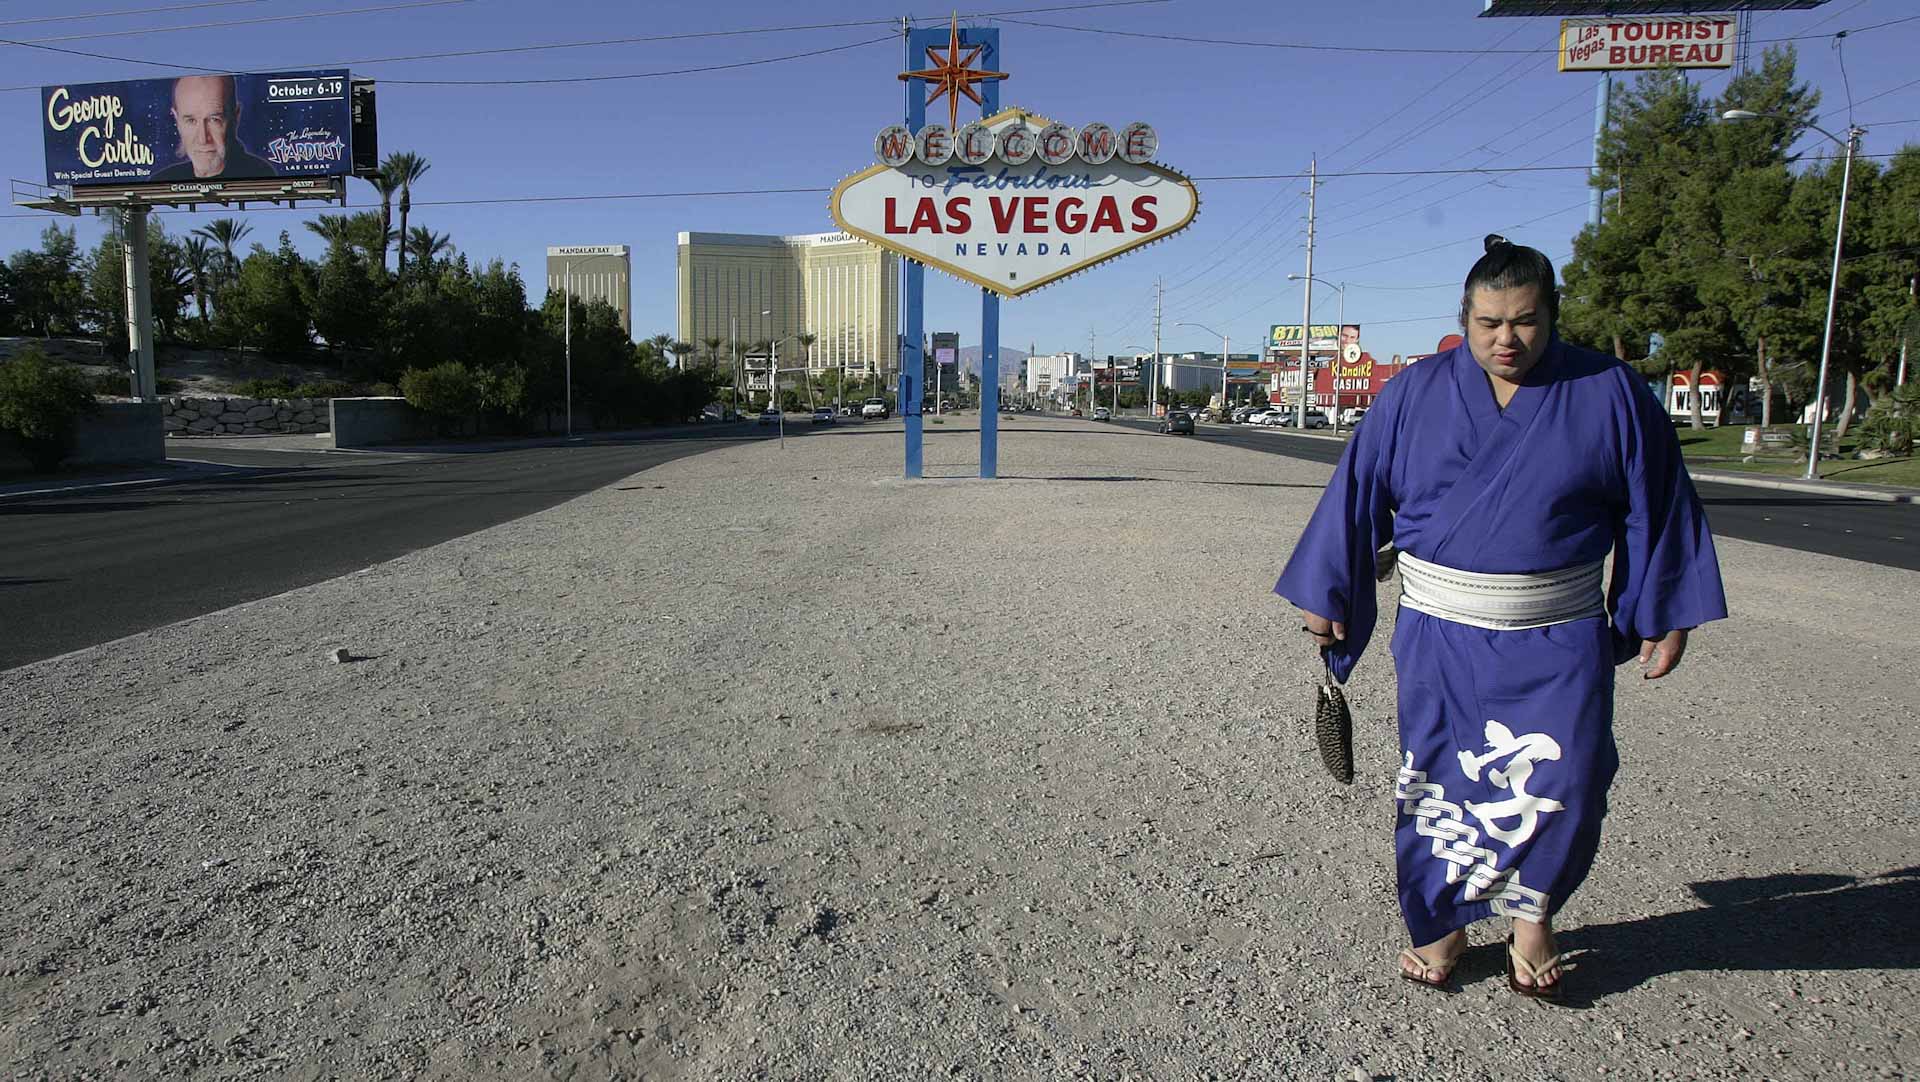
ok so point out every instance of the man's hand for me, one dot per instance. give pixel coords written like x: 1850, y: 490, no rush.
x: 1664, y: 654
x: 1325, y: 632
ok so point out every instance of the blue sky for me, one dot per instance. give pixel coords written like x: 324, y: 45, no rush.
x: 1401, y: 243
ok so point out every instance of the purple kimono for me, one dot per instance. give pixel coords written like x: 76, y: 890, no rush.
x: 1507, y: 736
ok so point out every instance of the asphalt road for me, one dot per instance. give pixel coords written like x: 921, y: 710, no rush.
x: 91, y: 565
x: 1870, y: 531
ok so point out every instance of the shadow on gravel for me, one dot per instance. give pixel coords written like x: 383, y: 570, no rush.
x: 1772, y: 923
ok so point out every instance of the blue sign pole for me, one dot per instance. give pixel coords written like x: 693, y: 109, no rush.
x: 989, y: 301
x: 913, y: 285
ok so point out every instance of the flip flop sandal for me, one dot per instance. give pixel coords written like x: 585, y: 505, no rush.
x: 1444, y: 984
x: 1535, y: 973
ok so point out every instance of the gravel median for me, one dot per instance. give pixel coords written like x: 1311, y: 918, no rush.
x: 770, y: 764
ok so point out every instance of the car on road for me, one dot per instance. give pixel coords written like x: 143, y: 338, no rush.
x: 1241, y: 415
x: 1102, y: 413
x: 1352, y: 414
x: 875, y: 407
x: 1177, y: 423
x: 1270, y: 418
x: 823, y: 415
x: 769, y: 416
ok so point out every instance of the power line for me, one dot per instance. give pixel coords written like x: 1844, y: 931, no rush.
x: 570, y: 79
x: 1384, y: 50
x: 127, y: 11
x: 245, y: 22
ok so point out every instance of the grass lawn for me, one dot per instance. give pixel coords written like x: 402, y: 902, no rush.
x: 1719, y: 449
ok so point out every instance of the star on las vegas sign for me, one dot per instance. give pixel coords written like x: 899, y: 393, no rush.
x: 952, y: 75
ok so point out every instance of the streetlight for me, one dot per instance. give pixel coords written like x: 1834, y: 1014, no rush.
x: 567, y: 333
x: 773, y: 381
x: 1223, y: 363
x: 1833, y: 285
x: 1342, y: 321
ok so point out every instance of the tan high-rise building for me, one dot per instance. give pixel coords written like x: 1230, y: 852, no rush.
x: 842, y: 290
x: 599, y: 272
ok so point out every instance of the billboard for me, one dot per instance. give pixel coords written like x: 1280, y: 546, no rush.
x: 198, y: 128
x: 1634, y: 43
x: 1327, y: 338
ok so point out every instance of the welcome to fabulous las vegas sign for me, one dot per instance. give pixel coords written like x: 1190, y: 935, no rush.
x: 1015, y: 201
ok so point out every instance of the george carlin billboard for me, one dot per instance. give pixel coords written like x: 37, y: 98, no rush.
x: 197, y: 128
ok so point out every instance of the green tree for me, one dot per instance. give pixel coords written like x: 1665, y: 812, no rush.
x: 268, y: 305
x: 48, y: 292
x: 41, y: 404
x: 348, y: 300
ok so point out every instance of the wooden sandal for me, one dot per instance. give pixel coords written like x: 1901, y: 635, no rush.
x: 1445, y: 969
x: 1535, y: 973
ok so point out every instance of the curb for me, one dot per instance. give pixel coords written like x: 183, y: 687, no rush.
x: 1820, y: 488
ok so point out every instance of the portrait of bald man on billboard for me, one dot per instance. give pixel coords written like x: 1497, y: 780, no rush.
x: 206, y: 113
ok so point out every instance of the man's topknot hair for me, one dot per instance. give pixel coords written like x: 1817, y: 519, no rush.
x: 1507, y: 265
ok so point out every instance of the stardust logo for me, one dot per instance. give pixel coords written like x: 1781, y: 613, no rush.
x: 1015, y: 201
x: 311, y: 145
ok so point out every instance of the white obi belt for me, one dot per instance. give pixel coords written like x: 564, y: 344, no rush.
x: 1501, y: 602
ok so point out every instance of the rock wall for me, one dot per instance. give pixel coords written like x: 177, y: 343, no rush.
x: 187, y: 416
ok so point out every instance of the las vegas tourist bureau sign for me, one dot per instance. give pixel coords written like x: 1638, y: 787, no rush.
x: 1014, y: 201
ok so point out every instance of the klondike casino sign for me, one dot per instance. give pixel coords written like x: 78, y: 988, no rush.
x: 1014, y: 201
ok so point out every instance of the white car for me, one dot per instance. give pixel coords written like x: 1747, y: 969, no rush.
x: 874, y: 407
x: 1269, y: 418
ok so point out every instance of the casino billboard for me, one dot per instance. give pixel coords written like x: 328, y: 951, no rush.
x: 197, y: 129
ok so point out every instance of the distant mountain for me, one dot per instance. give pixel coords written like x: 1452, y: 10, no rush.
x: 1010, y: 359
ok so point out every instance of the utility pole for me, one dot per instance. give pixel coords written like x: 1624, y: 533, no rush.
x: 1306, y: 305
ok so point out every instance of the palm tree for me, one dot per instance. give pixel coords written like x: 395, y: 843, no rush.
x: 386, y: 184
x: 679, y: 350
x: 404, y: 168
x: 199, y: 258
x: 363, y: 231
x: 332, y: 228
x: 426, y: 245
x: 662, y: 345
x: 226, y: 232
x: 710, y: 347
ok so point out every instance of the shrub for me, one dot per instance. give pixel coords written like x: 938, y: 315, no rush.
x: 41, y: 404
x: 384, y: 390
x: 112, y: 384
x: 264, y: 388
x: 447, y: 392
x: 166, y: 386
x: 326, y: 388
x: 1894, y: 421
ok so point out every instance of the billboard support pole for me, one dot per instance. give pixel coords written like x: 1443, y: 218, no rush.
x: 989, y: 301
x: 139, y: 303
x: 913, y: 291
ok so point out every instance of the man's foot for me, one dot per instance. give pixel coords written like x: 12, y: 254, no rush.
x: 1534, y: 960
x: 1432, y: 964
